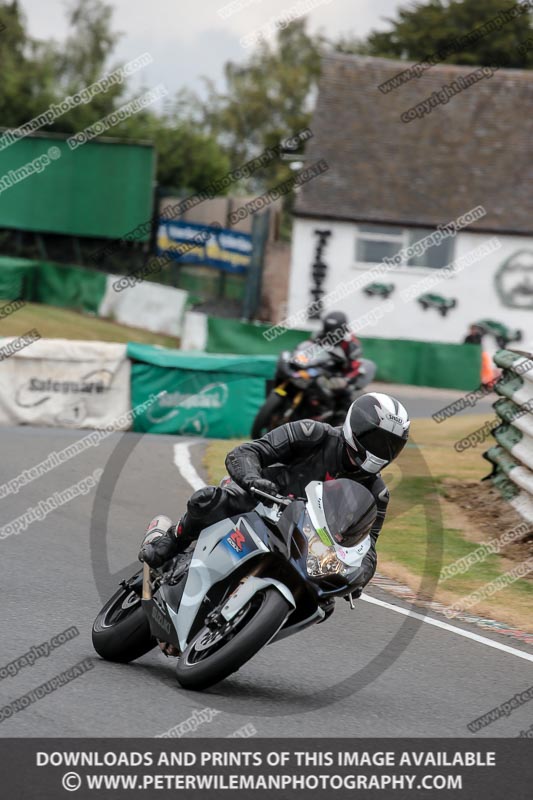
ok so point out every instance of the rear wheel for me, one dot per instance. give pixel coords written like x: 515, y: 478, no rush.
x: 268, y: 416
x: 121, y: 631
x: 216, y: 653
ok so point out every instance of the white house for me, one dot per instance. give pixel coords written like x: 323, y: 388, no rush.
x: 423, y: 222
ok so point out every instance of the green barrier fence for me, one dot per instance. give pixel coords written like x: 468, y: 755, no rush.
x: 17, y: 278
x: 436, y: 364
x: 70, y: 287
x: 52, y: 284
x: 232, y: 336
x: 209, y: 395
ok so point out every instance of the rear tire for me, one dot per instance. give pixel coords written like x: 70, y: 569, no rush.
x: 121, y: 631
x: 264, y: 419
x: 259, y: 626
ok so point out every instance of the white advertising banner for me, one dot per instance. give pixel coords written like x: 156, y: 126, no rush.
x: 65, y: 383
x: 150, y: 306
x: 194, y: 334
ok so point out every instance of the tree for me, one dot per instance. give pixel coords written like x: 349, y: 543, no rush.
x: 27, y: 69
x: 36, y: 74
x: 188, y: 158
x: 82, y: 60
x: 424, y: 29
x: 266, y: 99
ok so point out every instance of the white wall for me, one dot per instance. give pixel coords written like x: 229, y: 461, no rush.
x: 473, y: 286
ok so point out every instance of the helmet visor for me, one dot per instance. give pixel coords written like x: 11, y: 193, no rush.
x: 381, y: 444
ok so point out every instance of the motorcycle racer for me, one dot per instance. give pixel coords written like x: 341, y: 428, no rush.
x: 336, y: 337
x: 284, y: 461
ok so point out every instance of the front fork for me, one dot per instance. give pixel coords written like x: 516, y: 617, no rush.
x: 147, y: 586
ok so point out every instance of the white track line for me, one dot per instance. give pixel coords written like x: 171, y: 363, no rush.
x: 182, y: 459
x: 445, y: 626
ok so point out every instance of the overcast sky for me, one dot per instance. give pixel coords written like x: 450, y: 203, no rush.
x: 189, y: 39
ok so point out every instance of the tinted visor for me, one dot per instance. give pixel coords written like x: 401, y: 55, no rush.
x: 380, y: 443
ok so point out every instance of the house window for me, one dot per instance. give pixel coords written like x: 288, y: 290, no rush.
x: 376, y: 242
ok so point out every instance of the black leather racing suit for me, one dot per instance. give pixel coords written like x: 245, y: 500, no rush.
x: 290, y: 456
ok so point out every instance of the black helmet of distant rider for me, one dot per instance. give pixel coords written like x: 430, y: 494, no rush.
x: 334, y: 322
x: 375, y: 431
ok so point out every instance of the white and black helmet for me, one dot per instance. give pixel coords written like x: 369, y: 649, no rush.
x: 375, y: 430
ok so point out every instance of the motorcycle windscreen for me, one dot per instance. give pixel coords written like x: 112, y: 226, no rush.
x: 350, y: 511
x: 310, y: 354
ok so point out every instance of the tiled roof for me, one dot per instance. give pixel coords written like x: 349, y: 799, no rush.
x: 477, y: 149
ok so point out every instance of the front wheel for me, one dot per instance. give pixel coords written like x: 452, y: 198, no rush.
x: 121, y: 631
x: 215, y: 654
x: 267, y: 415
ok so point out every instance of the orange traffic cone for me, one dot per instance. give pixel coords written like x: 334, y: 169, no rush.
x: 488, y: 373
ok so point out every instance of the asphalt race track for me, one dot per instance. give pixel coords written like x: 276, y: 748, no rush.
x: 368, y: 672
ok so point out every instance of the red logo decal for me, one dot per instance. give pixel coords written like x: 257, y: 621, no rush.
x: 236, y: 540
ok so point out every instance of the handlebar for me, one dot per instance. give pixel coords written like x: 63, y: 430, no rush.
x: 279, y: 499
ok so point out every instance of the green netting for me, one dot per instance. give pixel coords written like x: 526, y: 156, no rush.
x: 232, y: 336
x: 70, y: 287
x: 17, y: 278
x: 450, y: 366
x: 438, y: 364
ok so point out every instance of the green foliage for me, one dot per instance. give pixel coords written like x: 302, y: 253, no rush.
x: 27, y: 69
x: 187, y: 157
x: 36, y: 74
x: 266, y: 100
x: 422, y: 29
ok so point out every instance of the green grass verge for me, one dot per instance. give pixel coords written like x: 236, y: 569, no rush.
x: 61, y: 323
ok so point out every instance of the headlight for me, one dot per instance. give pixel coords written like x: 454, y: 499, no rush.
x: 322, y: 559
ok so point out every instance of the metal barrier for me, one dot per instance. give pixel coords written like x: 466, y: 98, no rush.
x: 512, y: 455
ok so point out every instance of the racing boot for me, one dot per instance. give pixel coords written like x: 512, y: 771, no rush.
x: 161, y: 542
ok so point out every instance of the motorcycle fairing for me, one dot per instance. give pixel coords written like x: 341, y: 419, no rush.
x: 213, y: 560
x: 351, y: 556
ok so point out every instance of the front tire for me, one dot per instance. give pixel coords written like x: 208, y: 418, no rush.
x: 203, y: 664
x: 121, y: 631
x: 264, y: 420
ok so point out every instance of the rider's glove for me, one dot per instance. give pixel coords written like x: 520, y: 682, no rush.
x: 264, y: 486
